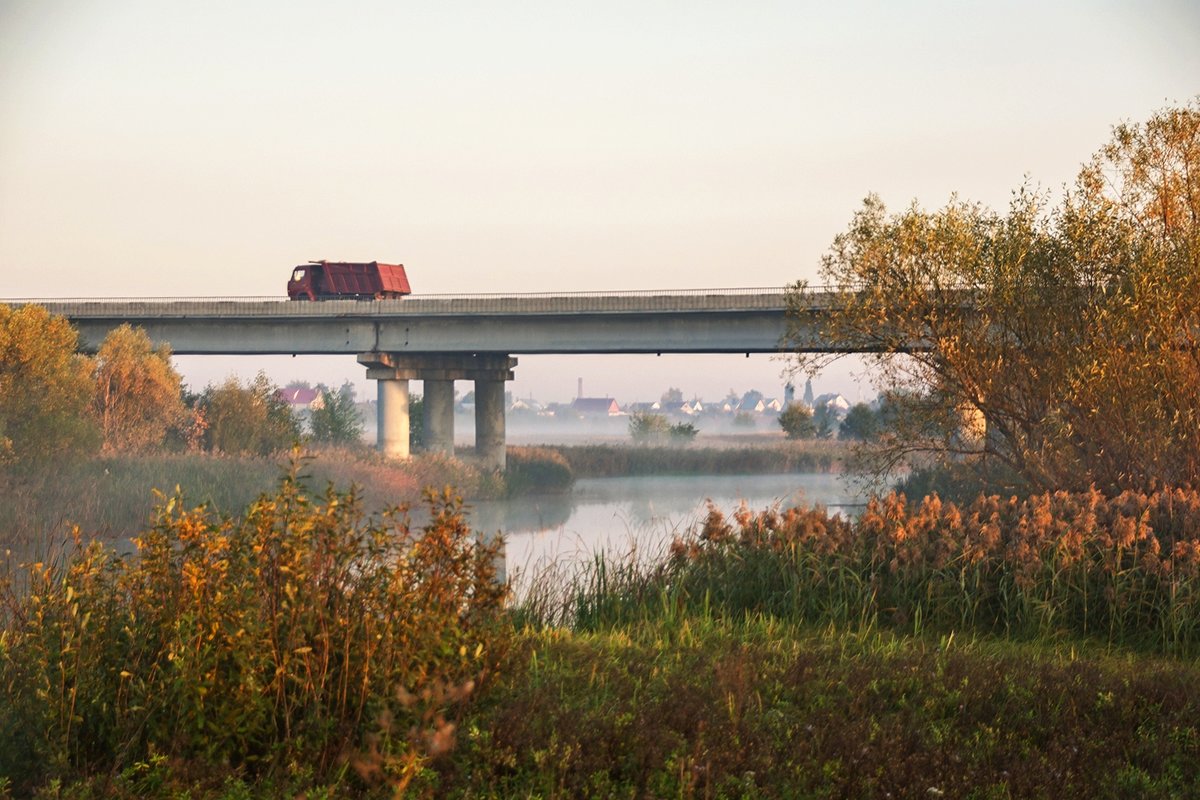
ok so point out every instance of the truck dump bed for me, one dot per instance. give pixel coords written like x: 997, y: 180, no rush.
x: 373, y: 278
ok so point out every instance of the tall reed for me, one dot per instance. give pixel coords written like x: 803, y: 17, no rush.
x: 1125, y: 569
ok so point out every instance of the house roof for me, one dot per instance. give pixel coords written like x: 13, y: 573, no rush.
x: 833, y: 400
x: 298, y: 395
x: 595, y: 405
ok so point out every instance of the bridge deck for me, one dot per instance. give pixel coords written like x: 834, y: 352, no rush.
x: 420, y: 305
x: 687, y: 321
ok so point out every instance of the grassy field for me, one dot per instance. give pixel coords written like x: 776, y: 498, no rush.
x: 705, y: 706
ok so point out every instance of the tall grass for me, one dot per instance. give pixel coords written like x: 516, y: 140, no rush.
x: 534, y: 470
x: 606, y: 461
x: 1124, y: 570
x: 113, y: 497
x: 303, y: 633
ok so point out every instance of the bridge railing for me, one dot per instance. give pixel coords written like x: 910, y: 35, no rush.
x: 506, y: 303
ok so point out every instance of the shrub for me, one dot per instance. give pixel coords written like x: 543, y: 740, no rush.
x: 303, y: 634
x: 682, y: 432
x: 537, y: 469
x: 743, y: 419
x: 645, y: 428
x: 1124, y: 570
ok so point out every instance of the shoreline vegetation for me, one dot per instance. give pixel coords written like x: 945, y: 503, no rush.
x: 773, y: 457
x: 113, y: 496
x: 999, y: 649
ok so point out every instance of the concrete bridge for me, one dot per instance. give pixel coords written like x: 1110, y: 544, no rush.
x: 440, y: 339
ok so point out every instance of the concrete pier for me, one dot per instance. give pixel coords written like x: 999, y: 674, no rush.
x: 439, y: 416
x: 393, y: 371
x: 393, y: 417
x: 489, y: 423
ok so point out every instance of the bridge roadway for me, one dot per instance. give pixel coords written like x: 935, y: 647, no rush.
x: 691, y: 321
x: 439, y: 339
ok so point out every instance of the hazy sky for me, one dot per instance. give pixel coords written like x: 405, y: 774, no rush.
x: 156, y: 148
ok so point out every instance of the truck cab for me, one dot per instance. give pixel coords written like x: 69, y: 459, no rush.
x: 303, y: 282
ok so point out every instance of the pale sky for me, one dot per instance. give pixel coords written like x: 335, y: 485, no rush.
x: 156, y: 148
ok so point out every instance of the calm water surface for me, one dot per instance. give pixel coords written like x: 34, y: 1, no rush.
x: 619, y: 516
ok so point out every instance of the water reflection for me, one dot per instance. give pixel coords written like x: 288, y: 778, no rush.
x: 619, y: 516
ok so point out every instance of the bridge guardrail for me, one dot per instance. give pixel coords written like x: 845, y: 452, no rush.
x: 682, y: 300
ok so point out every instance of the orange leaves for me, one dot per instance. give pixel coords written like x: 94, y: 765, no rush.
x: 1128, y: 565
x: 272, y: 639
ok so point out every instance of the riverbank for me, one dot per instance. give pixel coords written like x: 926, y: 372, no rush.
x: 735, y: 457
x: 916, y: 651
x: 112, y: 497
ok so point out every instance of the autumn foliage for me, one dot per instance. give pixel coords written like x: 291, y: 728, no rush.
x: 44, y: 387
x: 1125, y: 569
x: 1060, y: 340
x: 138, y: 392
x: 303, y: 633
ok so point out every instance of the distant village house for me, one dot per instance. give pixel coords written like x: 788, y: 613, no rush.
x: 301, y: 398
x: 596, y: 407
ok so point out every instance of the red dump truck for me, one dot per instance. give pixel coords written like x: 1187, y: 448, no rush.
x: 329, y: 280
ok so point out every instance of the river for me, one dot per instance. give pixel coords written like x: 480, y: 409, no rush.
x: 620, y: 516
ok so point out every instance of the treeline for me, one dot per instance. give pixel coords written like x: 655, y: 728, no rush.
x: 128, y: 398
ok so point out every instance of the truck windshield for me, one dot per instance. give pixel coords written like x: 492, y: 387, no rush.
x: 298, y: 275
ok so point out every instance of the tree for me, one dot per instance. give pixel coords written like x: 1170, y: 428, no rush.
x: 743, y: 419
x: 797, y: 422
x: 861, y: 423
x: 249, y: 419
x: 337, y: 420
x: 824, y: 420
x: 1061, y: 342
x: 645, y: 428
x: 416, y: 422
x: 45, y: 388
x: 672, y: 397
x: 138, y: 394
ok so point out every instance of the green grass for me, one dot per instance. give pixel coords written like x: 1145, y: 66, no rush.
x: 699, y: 705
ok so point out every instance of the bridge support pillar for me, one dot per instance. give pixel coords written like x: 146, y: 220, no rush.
x: 439, y: 371
x: 489, y: 422
x: 393, y: 417
x: 439, y: 415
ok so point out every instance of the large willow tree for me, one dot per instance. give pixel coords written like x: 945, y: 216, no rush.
x: 1058, y: 341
